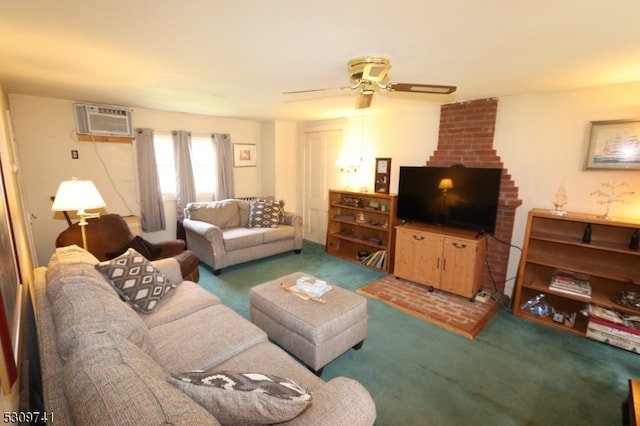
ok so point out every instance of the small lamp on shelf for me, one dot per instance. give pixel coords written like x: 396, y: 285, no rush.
x: 78, y: 195
x: 445, y: 184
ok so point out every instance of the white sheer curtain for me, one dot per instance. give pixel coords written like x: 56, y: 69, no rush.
x: 151, y: 205
x: 224, y: 167
x: 185, y: 184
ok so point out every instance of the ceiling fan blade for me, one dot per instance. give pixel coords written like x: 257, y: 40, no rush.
x: 364, y: 100
x: 420, y: 88
x: 320, y: 90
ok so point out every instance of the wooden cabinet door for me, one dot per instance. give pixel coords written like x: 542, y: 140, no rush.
x: 459, y: 266
x: 418, y: 257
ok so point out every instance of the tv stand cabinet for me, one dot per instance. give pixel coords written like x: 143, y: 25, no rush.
x: 448, y: 259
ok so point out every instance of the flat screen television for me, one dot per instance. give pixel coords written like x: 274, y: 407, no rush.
x: 459, y: 197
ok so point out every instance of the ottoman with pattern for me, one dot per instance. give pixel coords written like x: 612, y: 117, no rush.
x: 316, y: 333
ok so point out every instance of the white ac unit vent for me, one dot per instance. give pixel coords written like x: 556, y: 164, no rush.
x: 104, y: 120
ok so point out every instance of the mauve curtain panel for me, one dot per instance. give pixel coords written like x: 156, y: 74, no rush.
x: 151, y: 206
x: 185, y: 183
x: 224, y: 157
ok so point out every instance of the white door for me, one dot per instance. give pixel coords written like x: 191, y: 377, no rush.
x: 321, y: 150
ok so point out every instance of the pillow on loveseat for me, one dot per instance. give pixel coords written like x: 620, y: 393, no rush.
x: 245, y: 398
x: 136, y: 280
x: 266, y: 213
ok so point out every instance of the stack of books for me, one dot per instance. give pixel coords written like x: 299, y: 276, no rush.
x: 377, y: 259
x: 569, y: 283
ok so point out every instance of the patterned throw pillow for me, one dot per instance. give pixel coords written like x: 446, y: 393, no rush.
x: 266, y: 213
x: 136, y: 280
x: 244, y: 398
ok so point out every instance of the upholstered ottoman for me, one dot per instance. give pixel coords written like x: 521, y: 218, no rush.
x: 316, y: 333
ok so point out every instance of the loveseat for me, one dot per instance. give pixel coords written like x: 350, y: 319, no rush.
x: 228, y: 232
x: 105, y: 363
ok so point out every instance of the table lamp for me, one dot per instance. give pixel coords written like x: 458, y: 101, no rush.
x: 78, y: 195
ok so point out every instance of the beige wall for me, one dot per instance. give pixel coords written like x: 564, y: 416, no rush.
x: 45, y: 133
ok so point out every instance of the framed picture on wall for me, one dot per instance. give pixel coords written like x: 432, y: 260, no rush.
x: 382, y: 175
x: 613, y: 145
x: 244, y: 155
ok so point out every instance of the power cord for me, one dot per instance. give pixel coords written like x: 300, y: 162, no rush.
x: 503, y: 299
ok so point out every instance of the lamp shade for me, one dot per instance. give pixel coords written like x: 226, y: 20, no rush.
x: 77, y: 195
x: 445, y: 184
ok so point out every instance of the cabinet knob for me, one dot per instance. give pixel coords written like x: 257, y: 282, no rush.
x: 418, y: 237
x: 460, y: 246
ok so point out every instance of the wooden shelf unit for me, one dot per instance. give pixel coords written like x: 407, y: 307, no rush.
x: 556, y: 242
x: 451, y: 260
x: 346, y: 236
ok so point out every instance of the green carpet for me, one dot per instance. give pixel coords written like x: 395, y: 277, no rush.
x: 514, y: 373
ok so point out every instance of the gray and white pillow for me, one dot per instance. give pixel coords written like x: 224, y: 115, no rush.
x: 245, y: 398
x: 136, y: 280
x: 266, y: 213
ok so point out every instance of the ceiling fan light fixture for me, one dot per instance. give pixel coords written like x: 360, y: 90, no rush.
x: 364, y: 100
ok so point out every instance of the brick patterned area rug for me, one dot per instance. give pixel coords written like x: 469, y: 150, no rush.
x: 454, y: 313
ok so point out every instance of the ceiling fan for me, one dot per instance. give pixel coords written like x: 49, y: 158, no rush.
x: 368, y: 73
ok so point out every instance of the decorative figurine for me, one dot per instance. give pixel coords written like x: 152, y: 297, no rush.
x: 559, y: 200
x: 611, y: 196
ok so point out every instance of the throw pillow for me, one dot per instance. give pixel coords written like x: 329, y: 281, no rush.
x: 139, y: 244
x: 265, y: 213
x: 246, y: 398
x: 136, y: 280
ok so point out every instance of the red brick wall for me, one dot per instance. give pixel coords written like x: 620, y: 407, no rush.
x: 466, y: 137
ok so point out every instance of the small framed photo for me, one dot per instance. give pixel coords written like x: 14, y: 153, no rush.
x: 382, y: 175
x: 244, y: 155
x: 613, y: 145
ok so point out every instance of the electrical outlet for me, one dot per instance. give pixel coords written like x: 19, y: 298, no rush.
x: 74, y: 154
x: 483, y: 297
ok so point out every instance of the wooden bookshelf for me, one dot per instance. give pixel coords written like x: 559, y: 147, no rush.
x: 367, y: 224
x: 556, y: 242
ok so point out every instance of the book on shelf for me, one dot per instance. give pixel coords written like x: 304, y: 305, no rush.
x: 376, y: 259
x: 571, y: 283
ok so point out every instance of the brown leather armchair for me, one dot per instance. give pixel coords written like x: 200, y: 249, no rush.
x: 109, y: 235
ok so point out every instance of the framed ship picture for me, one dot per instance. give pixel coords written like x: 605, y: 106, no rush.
x: 613, y: 145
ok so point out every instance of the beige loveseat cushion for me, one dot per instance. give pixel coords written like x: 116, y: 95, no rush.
x: 223, y: 214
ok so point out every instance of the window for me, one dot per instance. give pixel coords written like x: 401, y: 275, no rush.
x: 203, y: 160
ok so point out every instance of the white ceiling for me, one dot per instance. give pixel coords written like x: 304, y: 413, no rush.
x: 234, y: 58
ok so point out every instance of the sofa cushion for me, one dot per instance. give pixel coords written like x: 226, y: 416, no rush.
x: 71, y: 264
x: 109, y: 381
x: 223, y: 214
x: 139, y: 244
x: 214, y: 334
x: 265, y: 213
x: 246, y: 398
x: 241, y: 238
x: 243, y: 210
x: 136, y: 280
x: 282, y: 232
x: 187, y: 298
x: 86, y: 303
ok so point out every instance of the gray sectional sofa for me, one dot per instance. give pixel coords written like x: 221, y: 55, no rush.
x: 228, y: 232
x: 104, y: 363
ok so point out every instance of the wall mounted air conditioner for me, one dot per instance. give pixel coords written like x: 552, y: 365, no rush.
x: 104, y: 120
